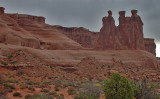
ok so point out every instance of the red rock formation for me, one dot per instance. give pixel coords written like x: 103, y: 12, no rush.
x: 150, y: 45
x: 2, y: 10
x: 81, y: 35
x: 108, y: 39
x: 131, y: 30
x: 23, y: 19
x: 128, y: 35
x: 31, y: 31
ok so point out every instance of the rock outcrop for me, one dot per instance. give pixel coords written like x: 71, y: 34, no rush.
x: 2, y: 10
x: 23, y: 19
x: 31, y: 31
x: 108, y: 37
x: 127, y: 35
x: 150, y: 45
x: 81, y: 35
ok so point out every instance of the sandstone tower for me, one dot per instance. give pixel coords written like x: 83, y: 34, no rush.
x: 127, y: 35
x: 2, y: 10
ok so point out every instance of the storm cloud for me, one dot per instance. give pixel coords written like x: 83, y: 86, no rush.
x: 88, y: 13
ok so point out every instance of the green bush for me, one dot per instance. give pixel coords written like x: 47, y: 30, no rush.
x: 118, y: 88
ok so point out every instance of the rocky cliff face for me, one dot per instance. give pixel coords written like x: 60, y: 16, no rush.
x: 31, y: 31
x: 127, y: 35
x: 81, y: 35
x: 24, y: 19
x: 150, y: 45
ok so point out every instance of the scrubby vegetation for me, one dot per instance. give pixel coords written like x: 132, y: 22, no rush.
x: 118, y: 88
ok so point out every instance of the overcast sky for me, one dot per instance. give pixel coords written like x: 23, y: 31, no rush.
x: 88, y: 13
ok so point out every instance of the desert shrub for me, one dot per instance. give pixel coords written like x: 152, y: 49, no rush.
x: 89, y: 92
x: 84, y: 96
x: 13, y: 62
x: 20, y: 72
x: 23, y: 86
x: 9, y: 80
x: 71, y: 91
x: 10, y: 86
x: 17, y: 94
x: 45, y: 90
x: 45, y: 82
x: 57, y: 83
x: 28, y: 96
x: 118, y: 88
x: 146, y: 91
x: 29, y: 82
x: 4, y: 63
x: 53, y: 93
x: 56, y: 88
x: 9, y: 90
x: 66, y: 84
x: 1, y: 79
x: 41, y: 96
x: 61, y: 96
x: 31, y: 88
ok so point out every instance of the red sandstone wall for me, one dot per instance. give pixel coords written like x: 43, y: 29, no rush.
x: 150, y: 45
x: 81, y: 35
x: 22, y: 18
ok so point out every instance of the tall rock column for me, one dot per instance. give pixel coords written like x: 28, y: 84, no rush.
x: 107, y: 38
x: 137, y: 26
x: 2, y: 10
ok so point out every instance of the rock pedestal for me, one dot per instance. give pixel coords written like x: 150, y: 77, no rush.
x: 2, y: 10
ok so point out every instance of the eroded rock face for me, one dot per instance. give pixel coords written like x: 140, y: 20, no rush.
x: 81, y: 35
x: 108, y: 37
x: 23, y: 19
x: 150, y: 45
x: 128, y: 35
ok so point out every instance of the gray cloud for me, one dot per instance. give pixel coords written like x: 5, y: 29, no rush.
x: 88, y: 13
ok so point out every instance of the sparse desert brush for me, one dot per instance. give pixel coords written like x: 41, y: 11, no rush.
x: 28, y: 96
x: 53, y: 93
x: 41, y: 96
x: 23, y: 86
x: 17, y: 94
x: 31, y: 88
x: 61, y: 96
x: 9, y: 80
x: 45, y: 90
x: 10, y: 86
x: 146, y: 90
x: 66, y: 84
x: 71, y: 91
x: 1, y: 79
x: 4, y: 63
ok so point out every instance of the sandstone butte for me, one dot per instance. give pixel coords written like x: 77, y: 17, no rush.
x: 63, y: 46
